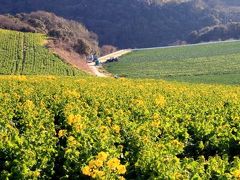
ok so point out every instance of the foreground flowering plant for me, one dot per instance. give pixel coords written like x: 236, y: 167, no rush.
x: 104, y: 168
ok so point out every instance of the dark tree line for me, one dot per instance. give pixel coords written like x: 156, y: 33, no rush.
x: 135, y: 23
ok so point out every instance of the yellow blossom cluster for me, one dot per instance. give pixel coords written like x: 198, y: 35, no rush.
x: 100, y: 167
x: 114, y: 165
x: 72, y: 119
x: 72, y: 141
x: 236, y: 173
x: 76, y: 122
x: 116, y: 128
x: 62, y: 133
x: 138, y: 102
x: 29, y: 104
x: 160, y: 101
x: 103, y: 128
x: 72, y: 93
x: 21, y: 78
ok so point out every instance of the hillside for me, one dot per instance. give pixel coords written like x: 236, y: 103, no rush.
x: 128, y: 23
x: 216, y: 33
x: 206, y: 63
x: 25, y: 54
x: 65, y: 34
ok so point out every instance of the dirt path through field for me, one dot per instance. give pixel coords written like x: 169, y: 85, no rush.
x: 114, y: 55
x: 98, y: 70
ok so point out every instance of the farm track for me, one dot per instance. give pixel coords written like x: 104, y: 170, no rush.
x: 95, y: 69
x: 115, y: 55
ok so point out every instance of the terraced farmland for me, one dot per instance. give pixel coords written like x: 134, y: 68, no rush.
x: 206, y: 63
x: 24, y: 53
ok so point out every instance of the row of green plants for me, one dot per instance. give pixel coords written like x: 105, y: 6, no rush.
x: 81, y: 128
x: 24, y: 53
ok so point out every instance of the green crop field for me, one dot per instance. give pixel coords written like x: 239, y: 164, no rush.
x: 205, y: 63
x: 24, y: 53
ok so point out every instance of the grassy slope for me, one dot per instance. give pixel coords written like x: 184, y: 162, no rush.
x: 24, y: 53
x: 211, y: 63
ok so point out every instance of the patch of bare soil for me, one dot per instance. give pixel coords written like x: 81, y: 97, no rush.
x: 70, y: 57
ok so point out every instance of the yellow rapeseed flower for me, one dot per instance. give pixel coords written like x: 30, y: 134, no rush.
x: 61, y: 133
x: 121, y: 169
x: 72, y: 141
x: 72, y: 119
x: 29, y: 104
x: 100, y: 174
x: 156, y: 116
x: 116, y: 128
x: 236, y: 173
x: 160, y: 101
x: 50, y: 77
x: 138, y: 102
x: 86, y: 171
x: 72, y: 93
x: 21, y: 78
x: 155, y: 123
x: 99, y: 163
x: 36, y: 173
x: 113, y: 163
x: 109, y: 120
x: 121, y: 178
x: 71, y: 138
x: 28, y: 91
x: 92, y: 164
x: 102, y: 156
x: 94, y: 174
x: 79, y: 127
x: 103, y: 128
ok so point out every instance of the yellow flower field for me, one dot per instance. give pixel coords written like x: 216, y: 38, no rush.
x: 80, y: 128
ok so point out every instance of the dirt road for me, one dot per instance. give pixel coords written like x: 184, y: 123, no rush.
x: 114, y: 55
x: 96, y: 69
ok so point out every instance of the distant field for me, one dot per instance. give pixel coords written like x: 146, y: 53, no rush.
x: 205, y: 63
x: 24, y: 53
